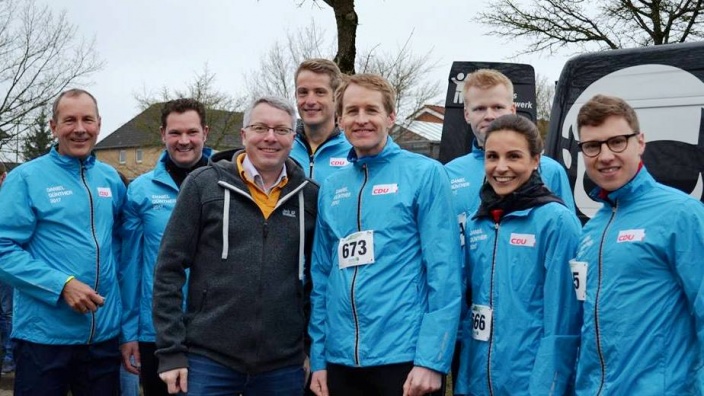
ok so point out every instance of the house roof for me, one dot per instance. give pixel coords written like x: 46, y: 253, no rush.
x: 437, y: 111
x: 436, y: 108
x: 431, y: 131
x: 143, y: 130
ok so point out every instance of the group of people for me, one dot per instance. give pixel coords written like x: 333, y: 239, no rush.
x: 323, y: 258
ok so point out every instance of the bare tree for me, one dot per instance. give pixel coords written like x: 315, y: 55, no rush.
x: 405, y: 70
x: 40, y: 56
x: 346, y: 20
x: 274, y: 75
x: 551, y: 25
x: 201, y: 88
x: 544, y: 94
x: 223, y: 110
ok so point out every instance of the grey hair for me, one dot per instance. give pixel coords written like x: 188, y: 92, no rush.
x: 71, y: 93
x: 273, y: 101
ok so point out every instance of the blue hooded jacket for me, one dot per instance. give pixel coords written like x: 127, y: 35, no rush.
x: 59, y: 218
x: 150, y: 200
x: 643, y: 331
x: 328, y: 158
x: 403, y: 307
x: 520, y: 268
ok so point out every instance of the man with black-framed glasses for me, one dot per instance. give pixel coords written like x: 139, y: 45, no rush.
x: 638, y: 268
x: 244, y: 227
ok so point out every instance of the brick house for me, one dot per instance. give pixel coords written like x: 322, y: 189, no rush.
x: 135, y: 147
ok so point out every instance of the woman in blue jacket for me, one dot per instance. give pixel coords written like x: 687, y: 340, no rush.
x: 524, y: 331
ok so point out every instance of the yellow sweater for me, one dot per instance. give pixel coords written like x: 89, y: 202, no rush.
x: 266, y: 202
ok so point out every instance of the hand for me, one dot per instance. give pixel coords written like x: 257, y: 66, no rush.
x: 306, y: 368
x: 319, y: 383
x: 176, y: 380
x: 81, y: 297
x: 130, y: 353
x: 421, y: 381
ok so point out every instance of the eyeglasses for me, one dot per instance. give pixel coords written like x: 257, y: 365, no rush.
x: 261, y: 128
x: 616, y: 144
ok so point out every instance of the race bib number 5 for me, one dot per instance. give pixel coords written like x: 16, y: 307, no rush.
x: 356, y: 249
x: 579, y: 278
x: 481, y: 322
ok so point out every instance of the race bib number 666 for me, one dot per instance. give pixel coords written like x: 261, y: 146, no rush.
x: 481, y: 322
x: 356, y: 249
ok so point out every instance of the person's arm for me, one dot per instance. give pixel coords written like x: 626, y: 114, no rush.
x: 178, y: 248
x: 321, y: 266
x: 685, y: 247
x: 555, y: 178
x: 440, y: 251
x: 557, y: 353
x: 18, y: 222
x: 130, y: 276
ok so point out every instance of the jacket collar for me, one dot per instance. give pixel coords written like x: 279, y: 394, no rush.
x: 68, y: 162
x: 477, y: 151
x: 390, y: 149
x: 631, y: 191
x: 336, y: 137
x: 162, y: 175
x: 225, y: 164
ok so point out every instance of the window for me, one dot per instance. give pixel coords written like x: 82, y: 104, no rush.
x: 138, y: 156
x: 123, y: 157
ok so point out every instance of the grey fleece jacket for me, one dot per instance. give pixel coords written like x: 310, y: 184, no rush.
x: 246, y: 293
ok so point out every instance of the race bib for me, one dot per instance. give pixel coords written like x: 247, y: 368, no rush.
x: 579, y: 277
x: 481, y: 322
x: 356, y: 249
x: 462, y: 220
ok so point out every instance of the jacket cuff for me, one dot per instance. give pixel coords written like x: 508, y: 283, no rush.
x: 172, y: 361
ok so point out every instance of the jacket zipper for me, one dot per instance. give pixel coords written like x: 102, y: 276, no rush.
x: 356, y: 269
x: 597, y: 332
x: 491, y: 305
x: 311, y: 161
x: 97, y: 248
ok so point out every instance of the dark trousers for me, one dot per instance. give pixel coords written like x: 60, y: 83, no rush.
x: 53, y: 370
x: 152, y: 385
x: 386, y: 380
x: 8, y: 345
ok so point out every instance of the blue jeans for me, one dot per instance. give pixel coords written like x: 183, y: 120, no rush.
x: 129, y: 383
x: 207, y: 377
x: 6, y: 320
x: 53, y: 370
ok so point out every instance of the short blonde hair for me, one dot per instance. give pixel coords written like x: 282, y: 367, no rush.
x: 374, y: 82
x: 485, y: 79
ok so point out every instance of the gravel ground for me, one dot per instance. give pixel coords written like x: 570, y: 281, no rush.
x: 6, y: 383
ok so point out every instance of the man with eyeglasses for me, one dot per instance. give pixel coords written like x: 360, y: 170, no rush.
x: 638, y: 267
x: 243, y: 226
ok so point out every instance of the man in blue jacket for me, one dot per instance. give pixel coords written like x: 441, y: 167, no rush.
x: 320, y: 147
x: 386, y: 260
x: 59, y: 216
x: 639, y: 267
x: 150, y: 200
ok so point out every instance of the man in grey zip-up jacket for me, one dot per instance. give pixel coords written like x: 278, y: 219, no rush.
x: 244, y: 227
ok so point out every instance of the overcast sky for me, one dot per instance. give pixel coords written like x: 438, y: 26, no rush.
x: 147, y: 45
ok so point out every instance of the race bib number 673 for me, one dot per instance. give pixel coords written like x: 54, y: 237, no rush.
x: 356, y: 249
